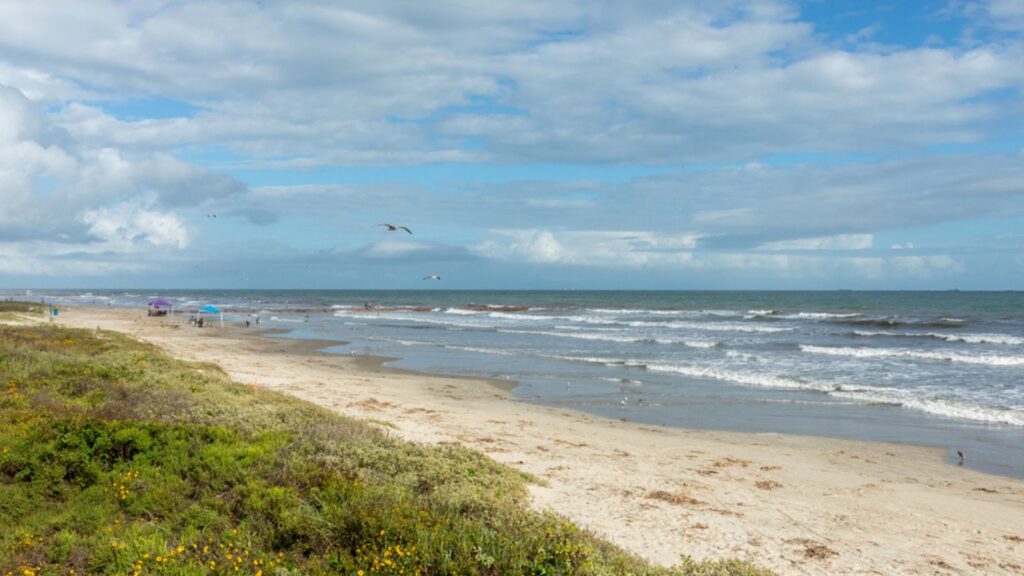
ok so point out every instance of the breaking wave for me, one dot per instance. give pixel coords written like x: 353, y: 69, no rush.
x: 983, y: 359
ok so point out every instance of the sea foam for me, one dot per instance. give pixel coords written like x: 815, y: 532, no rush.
x: 983, y: 359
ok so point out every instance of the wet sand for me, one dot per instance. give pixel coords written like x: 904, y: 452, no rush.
x: 796, y: 504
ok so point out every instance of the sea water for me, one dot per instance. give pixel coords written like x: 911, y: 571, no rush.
x: 943, y: 369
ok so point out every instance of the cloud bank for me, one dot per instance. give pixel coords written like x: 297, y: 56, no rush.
x: 688, y: 139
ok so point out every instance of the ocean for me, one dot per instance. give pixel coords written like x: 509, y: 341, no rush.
x: 941, y: 369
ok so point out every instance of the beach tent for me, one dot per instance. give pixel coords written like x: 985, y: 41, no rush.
x: 160, y: 305
x: 214, y: 310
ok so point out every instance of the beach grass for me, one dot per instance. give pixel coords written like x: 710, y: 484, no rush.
x: 118, y: 459
x: 12, y: 310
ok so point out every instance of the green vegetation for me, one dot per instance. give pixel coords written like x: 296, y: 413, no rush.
x: 11, y: 310
x: 117, y: 459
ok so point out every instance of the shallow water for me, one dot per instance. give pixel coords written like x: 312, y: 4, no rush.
x: 936, y: 368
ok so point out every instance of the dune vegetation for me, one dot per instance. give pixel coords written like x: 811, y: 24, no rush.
x: 118, y: 459
x: 11, y: 311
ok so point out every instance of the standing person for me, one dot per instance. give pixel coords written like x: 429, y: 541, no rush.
x: 248, y: 319
x: 257, y: 320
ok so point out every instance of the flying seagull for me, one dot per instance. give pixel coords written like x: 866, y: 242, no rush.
x: 432, y: 277
x: 393, y: 227
x: 211, y: 215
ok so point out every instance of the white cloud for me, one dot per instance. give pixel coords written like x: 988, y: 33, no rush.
x: 838, y: 242
x: 395, y: 250
x: 295, y: 85
x: 616, y: 249
x: 389, y: 249
x: 312, y: 83
x: 65, y: 199
x: 126, y: 225
x: 927, y: 266
x: 1007, y: 13
x: 613, y: 250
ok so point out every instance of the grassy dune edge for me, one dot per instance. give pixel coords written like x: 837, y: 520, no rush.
x: 118, y: 459
x: 16, y: 311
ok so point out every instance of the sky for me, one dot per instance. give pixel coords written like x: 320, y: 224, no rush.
x: 528, y: 144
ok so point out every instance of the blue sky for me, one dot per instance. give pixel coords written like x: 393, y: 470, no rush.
x: 528, y: 144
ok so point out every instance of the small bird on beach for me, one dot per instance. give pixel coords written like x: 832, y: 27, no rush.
x: 961, y: 455
x: 395, y: 227
x: 432, y: 277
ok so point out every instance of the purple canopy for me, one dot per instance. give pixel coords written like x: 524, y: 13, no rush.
x: 160, y: 303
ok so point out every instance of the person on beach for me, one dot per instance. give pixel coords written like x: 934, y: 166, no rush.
x: 257, y: 317
x: 248, y: 319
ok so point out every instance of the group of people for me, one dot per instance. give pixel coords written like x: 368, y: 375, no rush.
x: 250, y: 320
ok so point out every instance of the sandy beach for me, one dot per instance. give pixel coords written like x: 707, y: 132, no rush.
x: 799, y: 505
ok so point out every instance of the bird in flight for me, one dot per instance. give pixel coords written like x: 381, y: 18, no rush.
x: 211, y: 215
x: 393, y: 227
x: 432, y: 277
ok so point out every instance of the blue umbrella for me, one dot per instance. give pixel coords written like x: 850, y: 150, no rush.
x: 214, y: 310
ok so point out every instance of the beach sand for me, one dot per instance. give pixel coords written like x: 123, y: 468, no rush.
x: 798, y: 505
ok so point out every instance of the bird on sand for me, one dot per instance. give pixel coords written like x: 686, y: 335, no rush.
x: 432, y: 277
x: 394, y: 227
x: 961, y: 455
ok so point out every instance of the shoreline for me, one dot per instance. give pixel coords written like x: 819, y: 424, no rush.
x: 797, y: 504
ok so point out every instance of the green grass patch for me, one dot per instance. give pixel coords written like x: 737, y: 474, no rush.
x: 117, y: 459
x: 11, y: 310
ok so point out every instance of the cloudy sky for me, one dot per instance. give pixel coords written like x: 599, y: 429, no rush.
x: 528, y: 144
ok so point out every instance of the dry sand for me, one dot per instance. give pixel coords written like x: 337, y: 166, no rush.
x: 799, y: 505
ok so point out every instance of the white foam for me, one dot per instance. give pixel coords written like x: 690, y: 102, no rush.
x: 942, y: 407
x: 981, y: 338
x: 605, y: 337
x: 821, y: 315
x: 626, y: 311
x: 422, y: 319
x: 695, y: 313
x: 711, y: 327
x: 482, y: 350
x: 461, y: 311
x: 399, y: 341
x: 762, y: 380
x: 506, y: 315
x: 983, y: 359
x: 586, y: 319
x: 598, y: 360
x: 588, y: 328
x: 689, y: 343
x: 624, y: 381
x: 1005, y: 339
x: 744, y: 356
x: 578, y: 335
